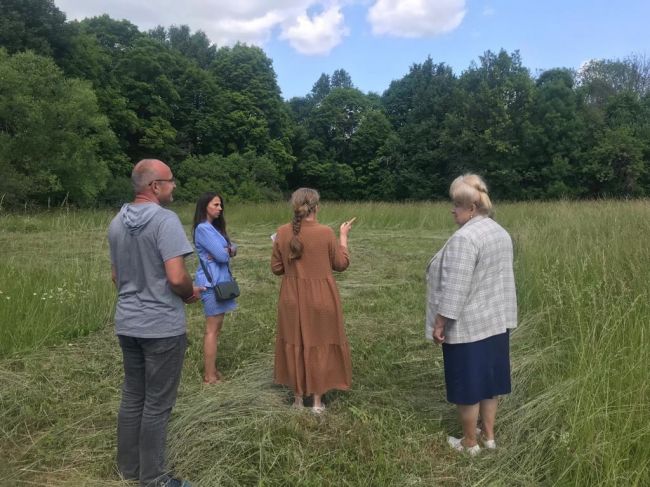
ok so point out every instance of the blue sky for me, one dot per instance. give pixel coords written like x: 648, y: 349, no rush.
x: 377, y: 41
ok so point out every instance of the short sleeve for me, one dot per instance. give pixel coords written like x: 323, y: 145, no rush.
x: 172, y: 241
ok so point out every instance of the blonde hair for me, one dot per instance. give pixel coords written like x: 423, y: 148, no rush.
x: 470, y: 189
x: 304, y: 202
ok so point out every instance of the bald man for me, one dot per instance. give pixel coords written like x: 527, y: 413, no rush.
x: 148, y: 247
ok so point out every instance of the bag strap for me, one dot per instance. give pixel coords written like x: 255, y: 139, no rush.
x: 205, y: 271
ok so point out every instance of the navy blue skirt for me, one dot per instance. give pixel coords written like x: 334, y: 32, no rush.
x: 477, y: 370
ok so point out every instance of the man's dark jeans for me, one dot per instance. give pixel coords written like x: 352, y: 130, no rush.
x: 152, y: 372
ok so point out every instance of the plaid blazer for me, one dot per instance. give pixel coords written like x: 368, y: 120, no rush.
x: 470, y: 281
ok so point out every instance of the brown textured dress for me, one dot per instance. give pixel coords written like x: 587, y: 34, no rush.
x: 312, y: 354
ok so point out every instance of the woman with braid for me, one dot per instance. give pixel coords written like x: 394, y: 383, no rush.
x: 312, y: 354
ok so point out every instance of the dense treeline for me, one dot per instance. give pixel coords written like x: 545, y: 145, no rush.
x: 81, y: 101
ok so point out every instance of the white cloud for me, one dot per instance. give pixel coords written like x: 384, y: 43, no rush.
x: 415, y: 18
x: 229, y: 21
x: 227, y: 31
x: 318, y: 34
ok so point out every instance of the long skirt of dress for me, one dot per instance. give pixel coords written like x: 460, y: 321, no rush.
x: 477, y: 370
x: 312, y: 354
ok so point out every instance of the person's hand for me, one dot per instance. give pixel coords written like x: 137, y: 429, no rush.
x: 346, y: 226
x: 232, y: 250
x: 439, y: 329
x: 195, y: 296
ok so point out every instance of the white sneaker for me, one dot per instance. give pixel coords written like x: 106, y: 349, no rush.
x: 456, y: 444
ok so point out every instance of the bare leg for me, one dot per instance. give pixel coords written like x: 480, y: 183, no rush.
x: 468, y: 415
x: 488, y: 408
x: 317, y: 401
x: 297, y: 401
x: 213, y: 326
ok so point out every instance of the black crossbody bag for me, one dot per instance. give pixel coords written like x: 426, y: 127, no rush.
x: 222, y: 290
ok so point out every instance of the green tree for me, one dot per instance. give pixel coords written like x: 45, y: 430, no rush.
x: 485, y: 130
x: 618, y: 160
x: 97, y: 48
x: 557, y: 137
x: 346, y: 131
x: 52, y: 134
x: 341, y: 79
x: 116, y: 36
x: 600, y: 79
x: 615, y: 165
x: 194, y: 46
x: 321, y: 89
x: 248, y: 71
x: 239, y: 177
x: 199, y: 114
x: 367, y: 146
x: 159, y: 100
x: 145, y: 72
x: 336, y: 120
x: 255, y: 117
x: 417, y: 106
x: 36, y: 25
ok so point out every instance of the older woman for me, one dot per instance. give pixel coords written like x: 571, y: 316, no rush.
x: 471, y: 306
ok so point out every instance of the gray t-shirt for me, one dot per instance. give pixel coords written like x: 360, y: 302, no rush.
x: 142, y: 237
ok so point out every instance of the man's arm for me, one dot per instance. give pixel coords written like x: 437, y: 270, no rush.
x: 180, y: 280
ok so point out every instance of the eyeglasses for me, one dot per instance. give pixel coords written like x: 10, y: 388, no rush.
x: 170, y: 180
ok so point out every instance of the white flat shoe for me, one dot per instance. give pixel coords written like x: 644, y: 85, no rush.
x: 456, y: 444
x: 489, y: 444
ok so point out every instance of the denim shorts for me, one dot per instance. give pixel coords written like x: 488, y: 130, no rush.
x: 212, y: 306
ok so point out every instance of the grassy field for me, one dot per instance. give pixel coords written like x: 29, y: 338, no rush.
x: 579, y: 413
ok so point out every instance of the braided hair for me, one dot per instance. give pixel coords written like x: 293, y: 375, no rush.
x: 304, y: 202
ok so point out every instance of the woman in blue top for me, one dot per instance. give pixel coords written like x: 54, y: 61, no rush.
x: 214, y: 249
